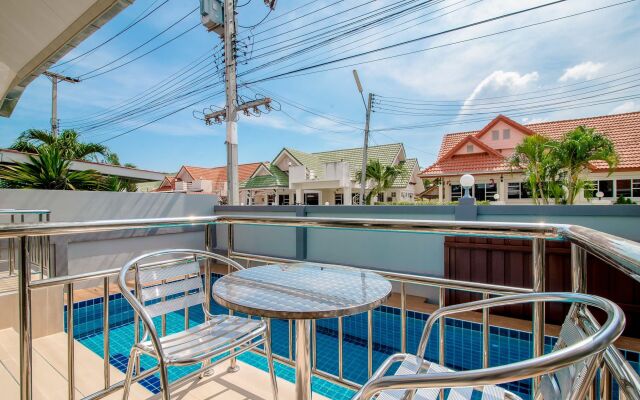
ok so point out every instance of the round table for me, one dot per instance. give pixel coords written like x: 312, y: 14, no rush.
x: 302, y: 292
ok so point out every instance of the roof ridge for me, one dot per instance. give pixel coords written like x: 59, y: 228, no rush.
x: 356, y: 148
x: 579, y: 119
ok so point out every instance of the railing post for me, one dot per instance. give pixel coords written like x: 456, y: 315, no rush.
x: 605, y: 382
x: 340, y: 344
x: 485, y: 334
x: 578, y: 269
x: 24, y: 293
x: 233, y: 363
x: 369, y: 343
x: 301, y: 235
x: 537, y: 269
x: 208, y: 246
x: 441, y: 323
x: 71, y: 375
x: 105, y: 334
x: 403, y: 317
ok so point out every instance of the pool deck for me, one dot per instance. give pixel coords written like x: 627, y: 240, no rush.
x: 50, y: 375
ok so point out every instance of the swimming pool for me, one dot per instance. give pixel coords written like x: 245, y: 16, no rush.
x: 463, y: 347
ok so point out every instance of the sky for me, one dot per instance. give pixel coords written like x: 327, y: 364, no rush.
x: 537, y: 73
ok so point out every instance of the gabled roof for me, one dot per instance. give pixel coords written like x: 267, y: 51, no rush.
x: 474, y: 140
x: 506, y: 120
x: 219, y: 174
x: 408, y: 166
x: 622, y: 129
x: 275, y: 179
x: 387, y: 154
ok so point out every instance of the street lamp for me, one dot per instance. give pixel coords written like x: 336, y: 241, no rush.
x: 467, y: 181
x: 367, y: 106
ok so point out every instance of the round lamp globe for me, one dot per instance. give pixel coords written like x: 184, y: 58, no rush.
x: 467, y: 180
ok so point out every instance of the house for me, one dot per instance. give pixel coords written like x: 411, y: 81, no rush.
x: 296, y: 177
x: 485, y: 155
x: 204, y: 180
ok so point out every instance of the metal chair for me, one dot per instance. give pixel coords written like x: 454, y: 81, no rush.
x: 565, y: 373
x: 169, y: 285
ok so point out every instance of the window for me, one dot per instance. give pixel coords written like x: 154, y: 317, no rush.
x: 311, y: 199
x: 518, y: 190
x: 623, y: 188
x: 485, y: 191
x: 283, y: 199
x: 606, y: 187
x: 506, y: 133
x: 338, y: 199
x: 393, y: 195
x: 456, y: 192
x: 271, y: 199
x: 469, y: 148
x: 495, y: 135
x: 380, y: 197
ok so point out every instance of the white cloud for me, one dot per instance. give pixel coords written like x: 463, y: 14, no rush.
x: 585, y: 70
x: 501, y: 83
x: 627, y: 106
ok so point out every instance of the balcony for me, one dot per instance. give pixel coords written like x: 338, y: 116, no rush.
x: 335, y: 174
x: 69, y: 355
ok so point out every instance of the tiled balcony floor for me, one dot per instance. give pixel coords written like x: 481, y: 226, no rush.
x: 50, y: 383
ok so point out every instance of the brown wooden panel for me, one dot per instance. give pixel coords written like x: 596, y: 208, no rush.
x: 508, y: 262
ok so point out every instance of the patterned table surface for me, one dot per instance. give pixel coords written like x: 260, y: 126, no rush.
x: 301, y: 291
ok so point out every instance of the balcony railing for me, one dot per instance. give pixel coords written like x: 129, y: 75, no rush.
x: 618, y: 252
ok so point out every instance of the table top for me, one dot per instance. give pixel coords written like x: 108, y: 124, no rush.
x: 301, y: 291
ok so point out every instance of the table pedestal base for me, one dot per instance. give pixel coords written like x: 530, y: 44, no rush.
x: 303, y: 359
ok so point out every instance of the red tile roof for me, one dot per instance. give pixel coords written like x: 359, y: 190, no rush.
x: 622, y: 129
x: 216, y: 175
x: 219, y: 174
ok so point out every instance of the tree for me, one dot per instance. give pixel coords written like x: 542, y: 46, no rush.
x: 116, y: 183
x: 67, y: 143
x: 532, y: 156
x: 382, y: 177
x: 574, y: 153
x: 48, y: 170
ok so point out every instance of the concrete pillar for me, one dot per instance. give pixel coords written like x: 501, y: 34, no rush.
x: 502, y: 191
x: 441, y: 193
x: 291, y: 198
x: 276, y: 200
x: 347, y: 196
x: 299, y: 196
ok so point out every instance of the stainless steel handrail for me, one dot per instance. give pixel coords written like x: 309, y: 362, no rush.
x: 598, y: 341
x: 621, y: 253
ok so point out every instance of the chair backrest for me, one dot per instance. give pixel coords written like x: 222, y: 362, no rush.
x: 564, y: 382
x: 168, y: 287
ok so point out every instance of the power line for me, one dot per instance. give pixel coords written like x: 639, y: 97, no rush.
x: 131, y: 25
x: 92, y: 73
x: 303, y: 71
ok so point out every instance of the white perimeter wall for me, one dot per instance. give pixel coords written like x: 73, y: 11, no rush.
x: 92, y: 252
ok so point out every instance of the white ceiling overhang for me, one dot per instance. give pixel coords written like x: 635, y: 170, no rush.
x: 35, y: 34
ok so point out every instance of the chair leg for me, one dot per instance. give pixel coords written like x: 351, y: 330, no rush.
x: 164, y: 381
x: 272, y: 366
x: 133, y: 355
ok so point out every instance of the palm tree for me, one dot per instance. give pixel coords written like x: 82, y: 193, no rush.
x: 532, y: 155
x: 382, y: 177
x: 67, y: 142
x: 575, y: 152
x: 116, y: 183
x: 48, y: 169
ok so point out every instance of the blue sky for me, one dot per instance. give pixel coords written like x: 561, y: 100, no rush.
x: 573, y: 52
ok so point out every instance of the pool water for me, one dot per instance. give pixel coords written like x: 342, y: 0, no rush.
x: 463, y: 343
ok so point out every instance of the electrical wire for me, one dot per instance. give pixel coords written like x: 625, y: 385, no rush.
x: 93, y: 74
x: 258, y: 24
x: 136, y: 21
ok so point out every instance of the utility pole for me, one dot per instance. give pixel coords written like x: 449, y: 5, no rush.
x: 365, y: 147
x: 55, y: 78
x: 233, y: 185
x: 222, y: 20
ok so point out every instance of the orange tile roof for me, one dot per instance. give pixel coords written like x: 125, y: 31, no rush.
x: 622, y: 129
x: 219, y: 174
